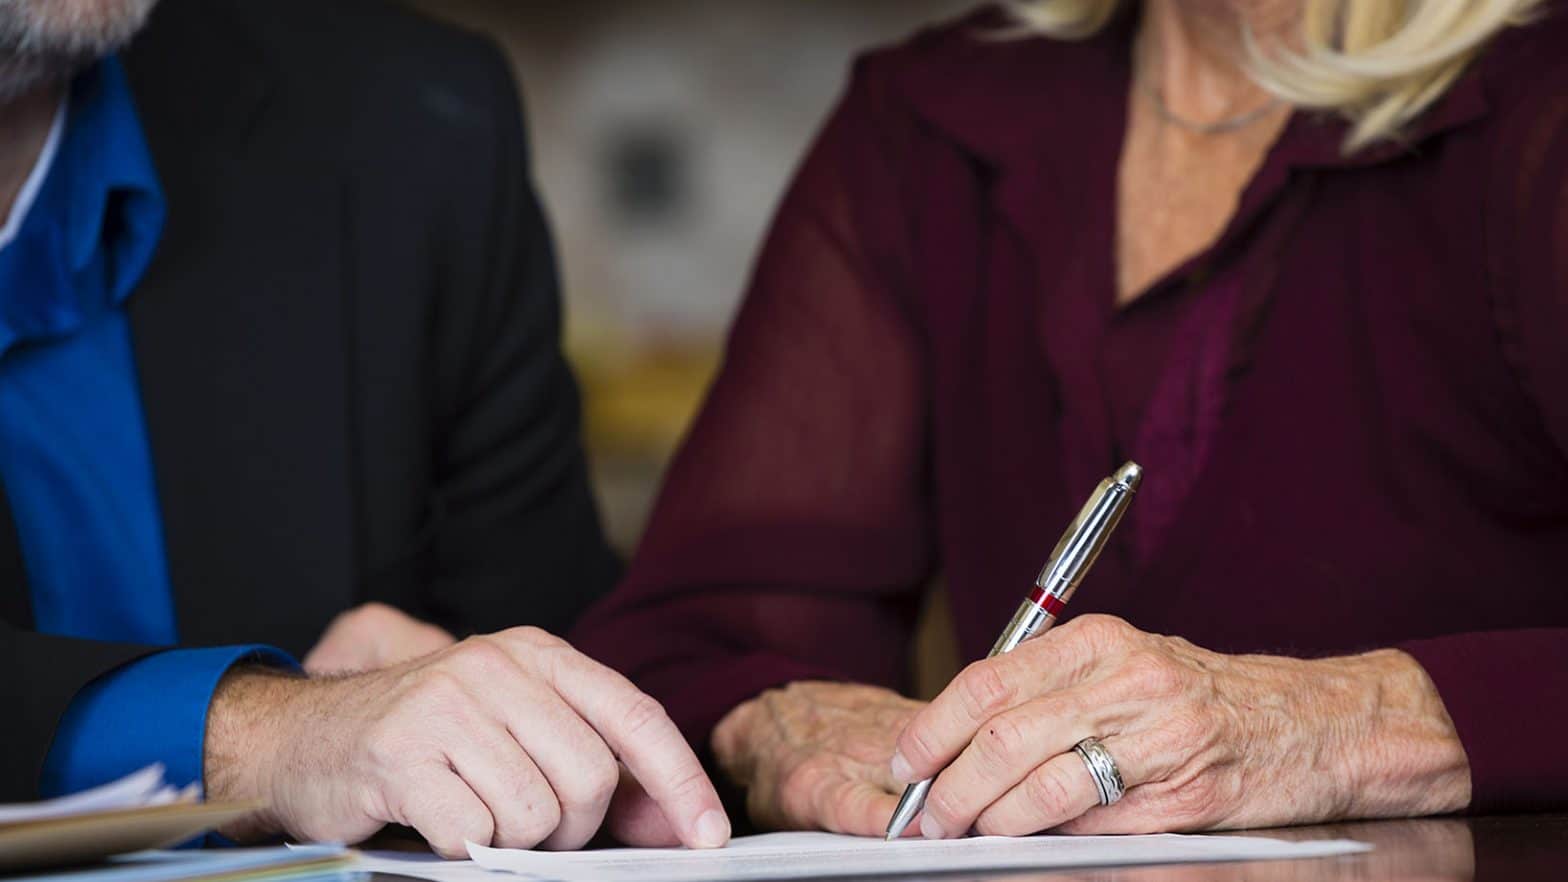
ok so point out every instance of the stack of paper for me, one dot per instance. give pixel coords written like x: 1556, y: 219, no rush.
x: 138, y: 789
x: 212, y: 865
x: 137, y: 812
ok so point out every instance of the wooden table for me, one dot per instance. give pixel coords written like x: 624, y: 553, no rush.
x: 1522, y: 848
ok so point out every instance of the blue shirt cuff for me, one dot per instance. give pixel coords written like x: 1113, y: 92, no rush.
x: 150, y: 710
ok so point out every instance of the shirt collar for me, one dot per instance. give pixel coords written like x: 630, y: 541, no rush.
x: 94, y: 220
x: 112, y: 197
x: 1008, y: 102
x: 28, y: 192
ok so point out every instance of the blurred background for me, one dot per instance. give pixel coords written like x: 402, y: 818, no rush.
x: 663, y: 135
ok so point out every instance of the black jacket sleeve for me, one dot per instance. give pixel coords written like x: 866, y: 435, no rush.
x: 43, y: 674
x: 517, y: 533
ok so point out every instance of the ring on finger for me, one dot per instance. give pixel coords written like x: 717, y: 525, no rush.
x: 1102, y: 768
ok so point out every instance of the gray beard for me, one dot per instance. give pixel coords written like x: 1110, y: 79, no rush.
x: 22, y: 74
x: 49, y: 41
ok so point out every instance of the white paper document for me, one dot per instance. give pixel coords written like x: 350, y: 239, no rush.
x: 136, y: 790
x: 818, y: 855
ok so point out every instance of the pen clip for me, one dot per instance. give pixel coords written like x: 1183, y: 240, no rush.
x: 1087, y: 534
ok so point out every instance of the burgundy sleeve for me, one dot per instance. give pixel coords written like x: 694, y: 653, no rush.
x: 1507, y: 692
x: 792, y: 535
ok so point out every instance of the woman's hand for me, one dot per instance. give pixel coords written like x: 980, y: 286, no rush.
x: 815, y: 755
x: 1202, y: 740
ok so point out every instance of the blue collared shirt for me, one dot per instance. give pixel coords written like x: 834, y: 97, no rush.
x: 74, y: 456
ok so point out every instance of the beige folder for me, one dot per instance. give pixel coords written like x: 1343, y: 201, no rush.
x: 87, y: 838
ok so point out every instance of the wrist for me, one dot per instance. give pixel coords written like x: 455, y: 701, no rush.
x: 246, y: 743
x: 1400, y: 754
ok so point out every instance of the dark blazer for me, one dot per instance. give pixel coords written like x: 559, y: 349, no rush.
x: 347, y: 346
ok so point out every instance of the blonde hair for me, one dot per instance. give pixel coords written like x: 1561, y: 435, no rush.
x: 1377, y: 63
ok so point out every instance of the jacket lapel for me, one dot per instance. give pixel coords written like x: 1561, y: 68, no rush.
x: 241, y: 345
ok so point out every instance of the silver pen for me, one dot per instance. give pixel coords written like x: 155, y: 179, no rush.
x: 1068, y: 563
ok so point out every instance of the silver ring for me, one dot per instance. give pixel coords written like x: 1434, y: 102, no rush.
x: 1102, y: 768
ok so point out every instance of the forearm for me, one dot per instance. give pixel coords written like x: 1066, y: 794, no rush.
x: 1398, y: 753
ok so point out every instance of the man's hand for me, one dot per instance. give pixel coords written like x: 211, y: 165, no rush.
x: 371, y: 637
x: 509, y: 739
x: 815, y: 755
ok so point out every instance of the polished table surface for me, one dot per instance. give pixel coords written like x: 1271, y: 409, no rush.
x: 1526, y: 848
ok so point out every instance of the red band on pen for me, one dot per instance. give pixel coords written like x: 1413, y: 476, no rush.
x: 1052, y: 604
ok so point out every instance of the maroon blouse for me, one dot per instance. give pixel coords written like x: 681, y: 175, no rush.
x: 1352, y: 410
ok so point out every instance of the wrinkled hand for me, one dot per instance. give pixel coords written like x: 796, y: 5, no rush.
x: 373, y: 636
x: 509, y: 739
x: 1202, y: 740
x: 814, y: 755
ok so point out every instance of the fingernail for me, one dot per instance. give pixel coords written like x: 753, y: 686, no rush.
x: 713, y: 829
x: 930, y: 829
x: 903, y: 772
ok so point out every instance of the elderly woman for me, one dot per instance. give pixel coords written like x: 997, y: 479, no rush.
x: 1307, y: 262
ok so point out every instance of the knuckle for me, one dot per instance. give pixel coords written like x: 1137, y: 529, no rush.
x: 483, y: 655
x: 1048, y: 794
x: 797, y: 789
x: 439, y: 692
x: 532, y: 813
x: 537, y: 637
x: 916, y: 745
x: 540, y: 817
x: 688, y: 782
x: 1073, y: 705
x: 1002, y: 820
x: 685, y: 784
x: 1155, y: 673
x: 450, y: 845
x: 804, y: 779
x: 602, y: 782
x: 1001, y: 741
x: 448, y: 835
x: 983, y: 690
x: 944, y: 805
x: 523, y: 784
x: 643, y: 715
x: 989, y: 824
x: 594, y: 787
x: 1104, y: 630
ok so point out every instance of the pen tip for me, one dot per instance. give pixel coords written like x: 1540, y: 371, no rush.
x: 1130, y: 474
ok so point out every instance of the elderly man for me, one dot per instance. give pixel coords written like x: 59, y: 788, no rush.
x: 278, y: 331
